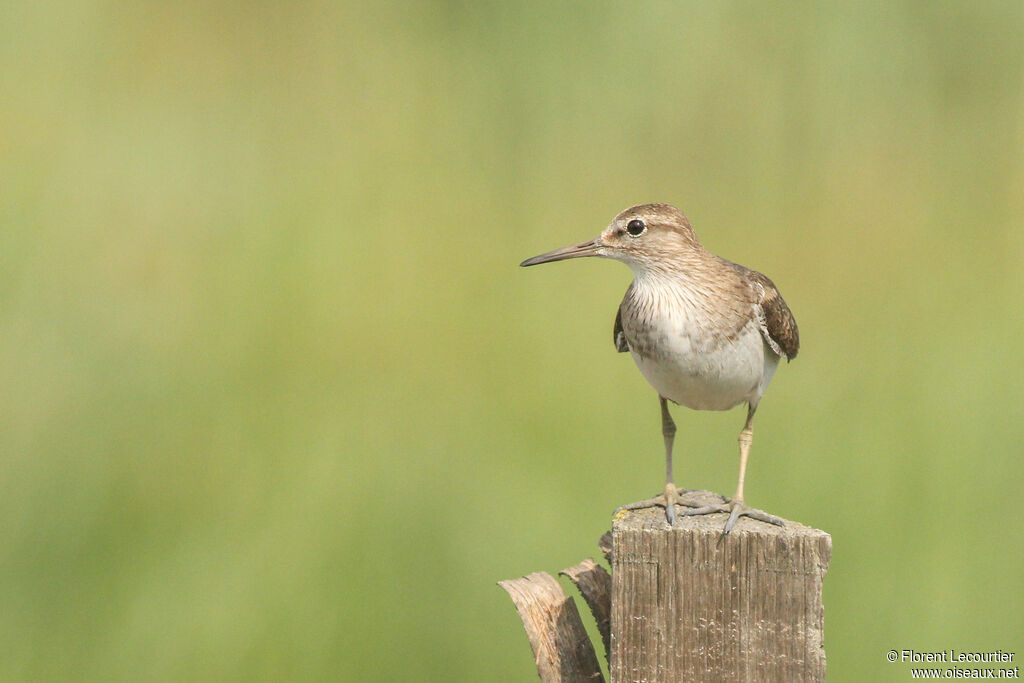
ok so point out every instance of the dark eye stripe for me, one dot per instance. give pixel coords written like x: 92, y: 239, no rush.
x: 636, y: 227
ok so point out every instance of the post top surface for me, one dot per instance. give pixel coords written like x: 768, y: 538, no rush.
x: 653, y: 519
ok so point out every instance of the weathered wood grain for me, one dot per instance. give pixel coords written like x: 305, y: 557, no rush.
x: 605, y: 545
x: 561, y: 648
x: 691, y: 605
x: 596, y: 588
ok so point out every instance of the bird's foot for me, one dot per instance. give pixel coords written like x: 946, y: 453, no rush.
x: 668, y: 500
x: 736, y: 509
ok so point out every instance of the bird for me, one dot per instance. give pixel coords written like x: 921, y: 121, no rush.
x: 706, y: 333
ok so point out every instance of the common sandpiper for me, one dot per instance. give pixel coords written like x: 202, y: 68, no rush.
x: 705, y: 332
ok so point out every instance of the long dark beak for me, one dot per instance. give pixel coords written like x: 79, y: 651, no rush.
x: 588, y: 248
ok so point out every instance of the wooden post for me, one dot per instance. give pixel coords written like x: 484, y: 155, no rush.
x: 691, y: 605
x: 686, y: 603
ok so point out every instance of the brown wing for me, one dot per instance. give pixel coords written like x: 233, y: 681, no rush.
x: 618, y: 336
x: 779, y: 324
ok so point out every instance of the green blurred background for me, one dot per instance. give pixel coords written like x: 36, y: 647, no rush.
x: 279, y: 404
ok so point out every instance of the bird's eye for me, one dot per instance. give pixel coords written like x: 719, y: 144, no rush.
x: 636, y: 227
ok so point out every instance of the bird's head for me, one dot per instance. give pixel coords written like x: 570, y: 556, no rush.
x: 643, y: 237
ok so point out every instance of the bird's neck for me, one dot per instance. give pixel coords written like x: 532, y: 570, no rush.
x: 686, y: 272
x: 680, y: 285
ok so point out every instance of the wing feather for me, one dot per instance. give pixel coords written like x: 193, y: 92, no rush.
x: 618, y: 336
x: 777, y: 322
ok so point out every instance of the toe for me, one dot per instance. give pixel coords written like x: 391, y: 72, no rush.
x: 737, y: 510
x: 762, y: 516
x: 706, y: 510
x: 658, y: 501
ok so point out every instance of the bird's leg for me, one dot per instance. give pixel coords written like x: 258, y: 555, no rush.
x: 736, y: 507
x: 671, y: 497
x: 668, y: 431
x: 746, y: 441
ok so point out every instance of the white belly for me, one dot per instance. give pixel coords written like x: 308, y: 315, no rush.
x: 706, y: 374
